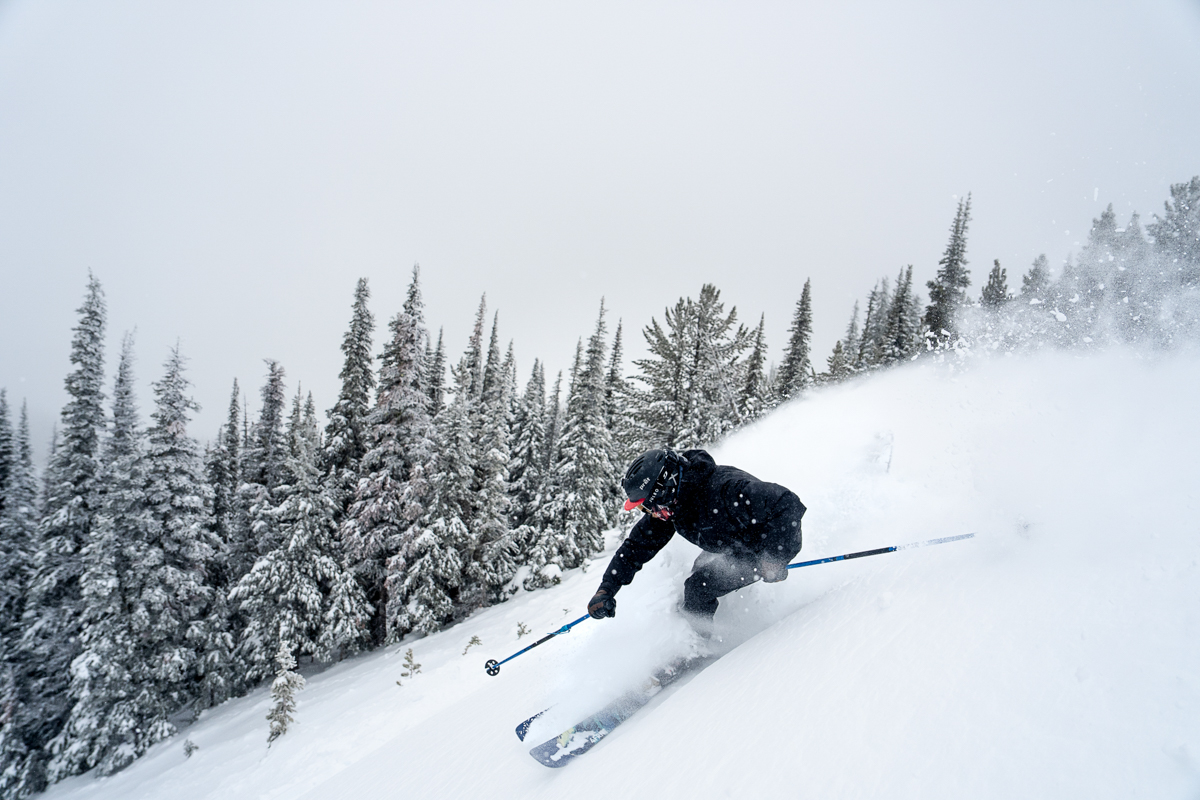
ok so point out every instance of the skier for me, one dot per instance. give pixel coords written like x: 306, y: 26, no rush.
x: 748, y: 529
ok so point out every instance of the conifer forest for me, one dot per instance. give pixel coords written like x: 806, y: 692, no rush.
x: 147, y: 574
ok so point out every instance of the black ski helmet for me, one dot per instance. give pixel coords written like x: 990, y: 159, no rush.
x: 653, y: 476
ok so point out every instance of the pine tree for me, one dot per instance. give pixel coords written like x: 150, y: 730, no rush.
x: 577, y: 514
x: 429, y: 588
x: 222, y: 671
x: 1036, y: 282
x: 53, y: 620
x: 796, y: 367
x: 175, y: 599
x: 430, y: 567
x: 873, y: 344
x: 394, y: 488
x: 947, y: 293
x: 345, y: 435
x: 223, y: 468
x: 995, y: 293
x: 691, y: 376
x: 489, y: 560
x: 264, y: 454
x: 1176, y: 234
x: 852, y: 342
x: 18, y: 528
x: 7, y: 450
x: 625, y: 439
x: 525, y: 468
x: 109, y: 709
x: 297, y: 594
x: 553, y: 423
x: 837, y: 366
x: 903, y: 336
x: 753, y: 400
x: 435, y: 379
x: 283, y: 692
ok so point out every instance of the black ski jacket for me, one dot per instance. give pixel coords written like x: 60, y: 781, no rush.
x: 718, y: 509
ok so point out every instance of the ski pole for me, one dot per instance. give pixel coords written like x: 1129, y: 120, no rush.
x: 493, y: 666
x: 880, y: 551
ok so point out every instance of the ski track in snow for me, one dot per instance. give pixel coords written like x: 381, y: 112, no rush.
x: 1055, y: 655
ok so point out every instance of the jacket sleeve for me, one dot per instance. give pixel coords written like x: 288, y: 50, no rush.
x: 648, y: 536
x: 782, y: 528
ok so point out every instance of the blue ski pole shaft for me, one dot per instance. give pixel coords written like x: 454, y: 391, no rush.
x: 880, y: 551
x: 493, y: 666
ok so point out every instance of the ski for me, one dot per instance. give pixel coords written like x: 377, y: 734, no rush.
x: 584, y: 735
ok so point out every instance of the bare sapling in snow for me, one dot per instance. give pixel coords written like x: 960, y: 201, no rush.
x: 283, y: 692
x: 474, y: 641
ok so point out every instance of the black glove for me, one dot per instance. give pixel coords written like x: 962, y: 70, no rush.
x: 772, y: 572
x: 602, y: 605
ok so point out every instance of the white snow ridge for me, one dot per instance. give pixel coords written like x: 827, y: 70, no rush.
x: 1055, y: 655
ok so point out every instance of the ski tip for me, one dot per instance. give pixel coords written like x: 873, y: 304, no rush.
x: 523, y: 728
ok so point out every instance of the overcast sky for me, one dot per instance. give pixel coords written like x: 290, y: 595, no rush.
x: 229, y: 169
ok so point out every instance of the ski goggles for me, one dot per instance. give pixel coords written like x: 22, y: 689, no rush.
x: 646, y: 507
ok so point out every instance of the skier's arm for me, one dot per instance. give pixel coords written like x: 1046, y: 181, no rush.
x: 648, y: 536
x: 782, y: 529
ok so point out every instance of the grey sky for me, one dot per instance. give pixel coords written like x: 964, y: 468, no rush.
x: 229, y: 169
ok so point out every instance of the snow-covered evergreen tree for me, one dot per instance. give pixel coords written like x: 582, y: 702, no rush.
x: 692, y: 374
x: 1176, y: 234
x: 948, y: 292
x: 7, y: 449
x: 18, y: 528
x: 489, y: 559
x: 552, y: 424
x: 796, y: 369
x: 873, y: 342
x: 754, y: 399
x: 173, y: 598
x: 223, y: 673
x: 626, y: 441
x: 852, y: 342
x: 283, y: 692
x: 435, y: 378
x: 837, y: 366
x: 346, y: 434
x: 109, y: 709
x: 576, y: 515
x: 902, y: 338
x: 299, y: 594
x: 393, y: 490
x: 429, y: 569
x: 223, y: 468
x: 53, y: 612
x: 264, y: 457
x: 1035, y: 282
x: 995, y: 292
x: 525, y: 467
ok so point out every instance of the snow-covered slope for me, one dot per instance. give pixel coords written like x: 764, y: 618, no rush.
x: 1055, y: 655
